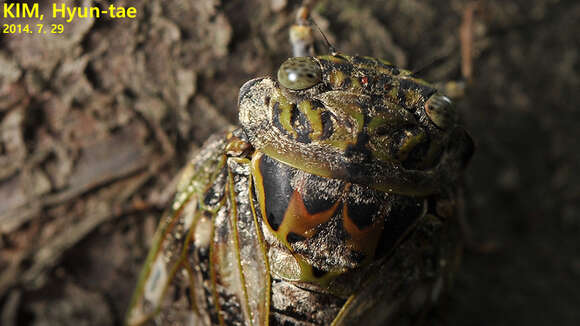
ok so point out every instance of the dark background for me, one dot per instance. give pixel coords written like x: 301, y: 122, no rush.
x: 95, y: 124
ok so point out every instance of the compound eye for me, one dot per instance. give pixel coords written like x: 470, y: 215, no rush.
x: 440, y: 110
x: 299, y: 73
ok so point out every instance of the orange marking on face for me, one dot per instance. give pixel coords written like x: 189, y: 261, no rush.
x: 298, y: 220
x: 364, y: 240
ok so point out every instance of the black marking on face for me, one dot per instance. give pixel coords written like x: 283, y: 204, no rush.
x: 403, y: 214
x: 316, y: 104
x: 359, y: 149
x: 327, y: 125
x: 317, y: 272
x: 276, y: 119
x: 294, y: 237
x: 301, y: 125
x: 362, y: 214
x: 313, y: 202
x: 277, y: 189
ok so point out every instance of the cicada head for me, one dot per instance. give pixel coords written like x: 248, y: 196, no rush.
x: 357, y: 119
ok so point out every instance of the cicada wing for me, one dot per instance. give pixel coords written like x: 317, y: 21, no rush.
x: 405, y: 285
x: 173, y: 239
x: 239, y: 274
x: 250, y: 246
x: 208, y: 264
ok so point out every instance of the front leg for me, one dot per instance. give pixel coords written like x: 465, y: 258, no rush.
x: 301, y: 35
x: 456, y: 89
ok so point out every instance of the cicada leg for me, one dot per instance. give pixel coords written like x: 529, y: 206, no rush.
x: 466, y: 35
x: 301, y: 34
x: 456, y: 89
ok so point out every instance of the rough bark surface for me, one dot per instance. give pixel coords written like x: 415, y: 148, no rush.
x: 95, y: 124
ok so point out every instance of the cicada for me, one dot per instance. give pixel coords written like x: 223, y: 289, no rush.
x: 333, y: 203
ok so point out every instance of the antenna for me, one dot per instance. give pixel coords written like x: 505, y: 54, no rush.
x: 331, y: 48
x: 428, y: 64
x: 301, y: 36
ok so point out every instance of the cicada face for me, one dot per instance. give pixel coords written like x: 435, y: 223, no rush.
x: 332, y: 202
x: 357, y: 119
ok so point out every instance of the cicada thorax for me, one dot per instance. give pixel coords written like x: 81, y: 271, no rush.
x: 324, y: 227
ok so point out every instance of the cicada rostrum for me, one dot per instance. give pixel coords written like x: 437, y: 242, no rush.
x: 333, y: 203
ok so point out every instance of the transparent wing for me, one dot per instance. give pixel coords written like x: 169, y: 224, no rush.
x: 208, y: 264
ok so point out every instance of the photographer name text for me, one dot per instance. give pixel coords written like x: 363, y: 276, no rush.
x: 17, y: 16
x: 68, y: 13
